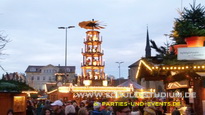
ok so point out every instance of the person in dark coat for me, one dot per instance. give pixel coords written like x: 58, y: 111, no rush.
x: 30, y: 110
x: 176, y: 112
x: 46, y: 106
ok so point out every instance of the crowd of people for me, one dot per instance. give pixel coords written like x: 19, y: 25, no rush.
x: 86, y: 107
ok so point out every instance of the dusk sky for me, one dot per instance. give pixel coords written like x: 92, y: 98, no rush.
x: 32, y: 27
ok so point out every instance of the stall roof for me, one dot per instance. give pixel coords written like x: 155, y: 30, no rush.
x: 14, y: 86
x: 128, y: 82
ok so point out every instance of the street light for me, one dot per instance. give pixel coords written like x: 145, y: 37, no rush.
x: 119, y: 69
x: 66, y: 44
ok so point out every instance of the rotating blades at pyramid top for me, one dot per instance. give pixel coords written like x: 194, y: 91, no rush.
x: 90, y: 25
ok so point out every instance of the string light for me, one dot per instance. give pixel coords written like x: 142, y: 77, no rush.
x: 146, y: 65
x: 52, y: 91
x: 139, y: 67
x: 165, y: 67
x: 179, y: 67
x: 94, y: 89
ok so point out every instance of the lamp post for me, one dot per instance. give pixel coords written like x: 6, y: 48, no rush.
x: 66, y: 45
x: 119, y: 69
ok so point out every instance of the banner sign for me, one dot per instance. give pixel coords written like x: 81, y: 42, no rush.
x: 192, y: 53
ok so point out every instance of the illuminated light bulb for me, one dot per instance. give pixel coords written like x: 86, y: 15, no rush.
x: 182, y: 67
x: 187, y: 67
x: 168, y: 68
x: 203, y: 67
x: 171, y: 67
x: 152, y: 67
x: 163, y: 68
x: 194, y: 67
x: 179, y: 67
x: 198, y: 67
x: 156, y: 67
x: 175, y: 67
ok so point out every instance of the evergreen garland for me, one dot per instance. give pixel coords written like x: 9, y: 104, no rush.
x: 14, y: 86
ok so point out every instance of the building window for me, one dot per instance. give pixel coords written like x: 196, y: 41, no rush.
x: 67, y: 69
x: 32, y: 69
x: 49, y: 78
x: 44, y: 78
x: 55, y: 71
x: 38, y: 78
x: 32, y: 78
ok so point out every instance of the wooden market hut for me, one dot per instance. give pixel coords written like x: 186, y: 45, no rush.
x: 185, y: 76
x: 13, y: 95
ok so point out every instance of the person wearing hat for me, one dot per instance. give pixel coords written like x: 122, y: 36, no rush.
x: 96, y: 107
x: 57, y: 107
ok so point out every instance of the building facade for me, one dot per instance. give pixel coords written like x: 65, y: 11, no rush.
x: 38, y: 76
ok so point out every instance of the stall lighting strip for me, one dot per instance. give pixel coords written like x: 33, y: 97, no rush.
x: 139, y: 67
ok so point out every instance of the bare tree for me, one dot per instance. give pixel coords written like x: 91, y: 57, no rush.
x: 3, y: 42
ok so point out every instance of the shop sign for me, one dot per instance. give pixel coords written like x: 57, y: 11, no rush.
x: 192, y: 53
x: 19, y: 103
